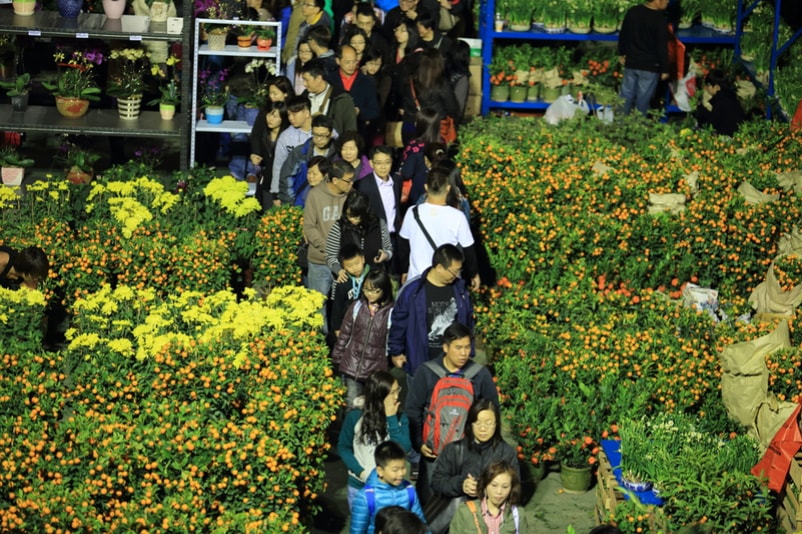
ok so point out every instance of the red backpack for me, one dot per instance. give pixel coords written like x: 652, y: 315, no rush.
x: 452, y: 396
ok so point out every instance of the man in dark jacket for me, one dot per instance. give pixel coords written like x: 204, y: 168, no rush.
x: 425, y: 307
x: 326, y: 99
x: 643, y: 50
x: 361, y: 87
x: 455, y: 359
x: 723, y: 111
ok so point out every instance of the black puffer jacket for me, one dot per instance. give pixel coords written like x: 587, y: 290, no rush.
x: 361, y: 349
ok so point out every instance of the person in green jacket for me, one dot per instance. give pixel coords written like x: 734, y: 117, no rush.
x: 496, y: 510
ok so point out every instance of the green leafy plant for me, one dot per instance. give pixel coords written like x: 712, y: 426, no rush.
x: 75, y: 74
x: 20, y: 86
x: 73, y: 156
x: 10, y: 157
x: 265, y: 32
x: 170, y: 91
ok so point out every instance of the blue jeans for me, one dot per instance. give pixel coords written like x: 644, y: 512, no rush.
x: 353, y: 389
x: 637, y: 89
x: 319, y: 279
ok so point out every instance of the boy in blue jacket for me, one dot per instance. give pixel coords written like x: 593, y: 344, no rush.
x: 386, y: 486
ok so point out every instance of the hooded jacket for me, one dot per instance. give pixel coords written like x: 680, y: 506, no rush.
x: 362, y: 521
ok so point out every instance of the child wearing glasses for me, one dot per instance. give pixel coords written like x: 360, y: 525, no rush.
x: 361, y: 347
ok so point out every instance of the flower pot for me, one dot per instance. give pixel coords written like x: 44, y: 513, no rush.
x: 214, y: 114
x: 520, y: 27
x: 19, y: 102
x: 575, y: 479
x: 72, y: 108
x: 76, y: 176
x: 216, y: 41
x: 518, y: 93
x: 250, y: 114
x: 263, y: 44
x: 129, y: 108
x: 500, y: 93
x: 604, y: 28
x: 633, y: 485
x: 533, y: 92
x: 12, y: 175
x: 244, y: 41
x: 550, y: 94
x: 113, y: 9
x: 538, y: 471
x: 24, y: 8
x: 167, y: 111
x: 685, y: 24
x: 158, y: 11
x: 69, y: 9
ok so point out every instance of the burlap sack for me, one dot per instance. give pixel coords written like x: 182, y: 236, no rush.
x: 790, y: 180
x: 790, y: 242
x: 671, y: 202
x: 753, y: 196
x: 768, y: 297
x: 745, y: 377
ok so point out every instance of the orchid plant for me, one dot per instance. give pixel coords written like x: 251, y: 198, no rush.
x: 128, y: 81
x: 75, y: 74
x: 212, y: 87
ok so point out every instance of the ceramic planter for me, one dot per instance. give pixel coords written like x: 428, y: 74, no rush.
x: 214, y: 114
x: 263, y: 43
x: 12, y: 175
x: 576, y: 479
x: 113, y: 9
x: 19, y: 102
x: 72, y: 108
x: 76, y: 176
x: 69, y: 9
x: 500, y: 93
x: 216, y: 41
x: 24, y: 8
x: 167, y: 111
x: 244, y: 41
x: 518, y: 93
x: 129, y: 108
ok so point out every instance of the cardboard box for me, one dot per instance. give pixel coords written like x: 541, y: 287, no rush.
x: 475, y: 81
x: 473, y: 107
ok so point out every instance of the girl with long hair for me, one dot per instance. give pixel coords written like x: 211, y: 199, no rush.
x: 271, y: 121
x: 377, y: 420
x: 359, y: 225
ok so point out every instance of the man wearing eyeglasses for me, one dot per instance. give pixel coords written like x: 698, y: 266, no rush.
x: 425, y: 307
x: 293, y: 172
x: 322, y: 209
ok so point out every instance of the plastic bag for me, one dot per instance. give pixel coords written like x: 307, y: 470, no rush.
x: 565, y: 107
x: 605, y: 114
x: 684, y: 89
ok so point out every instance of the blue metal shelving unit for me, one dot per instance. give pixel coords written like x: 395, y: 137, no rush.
x: 695, y: 35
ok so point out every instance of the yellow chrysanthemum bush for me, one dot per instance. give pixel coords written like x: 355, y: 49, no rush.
x: 192, y: 413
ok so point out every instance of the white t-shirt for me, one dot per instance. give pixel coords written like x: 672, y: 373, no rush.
x: 444, y: 223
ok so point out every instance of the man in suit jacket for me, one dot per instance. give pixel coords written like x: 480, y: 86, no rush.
x: 384, y: 192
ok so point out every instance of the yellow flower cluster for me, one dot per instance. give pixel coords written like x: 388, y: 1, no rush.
x: 8, y: 197
x: 128, y: 201
x: 106, y: 319
x: 58, y: 191
x: 12, y: 298
x: 230, y: 194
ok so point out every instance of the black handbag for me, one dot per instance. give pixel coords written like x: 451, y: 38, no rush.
x: 302, y: 255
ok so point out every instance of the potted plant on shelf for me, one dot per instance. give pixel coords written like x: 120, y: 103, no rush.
x: 127, y: 83
x: 520, y: 59
x: 215, y: 33
x: 77, y: 162
x: 18, y: 91
x: 608, y: 15
x: 171, y: 91
x: 579, y: 14
x: 553, y: 15
x: 501, y: 74
x: 75, y: 85
x: 261, y: 70
x: 214, y: 94
x: 12, y: 165
x: 264, y: 37
x: 519, y: 15
x: 245, y: 35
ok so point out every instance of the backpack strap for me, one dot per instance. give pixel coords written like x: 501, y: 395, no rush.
x: 423, y: 228
x: 473, y: 370
x: 410, y: 494
x: 515, y: 518
x: 370, y: 497
x: 472, y: 507
x: 438, y: 370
